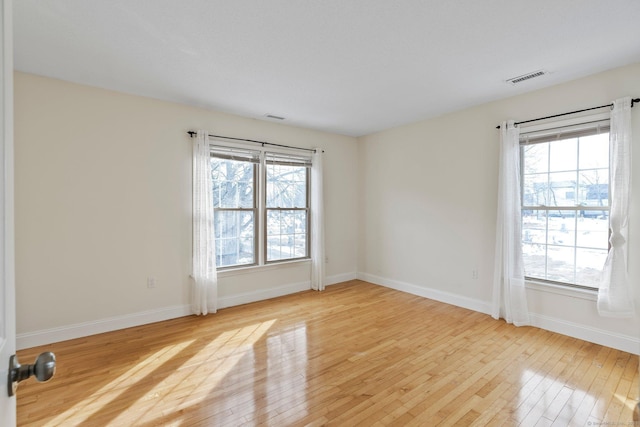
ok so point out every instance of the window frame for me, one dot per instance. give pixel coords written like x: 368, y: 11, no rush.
x: 253, y: 209
x: 307, y: 209
x: 591, y: 125
x: 260, y: 205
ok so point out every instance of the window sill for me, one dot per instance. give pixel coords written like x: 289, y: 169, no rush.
x: 587, y: 294
x: 253, y: 269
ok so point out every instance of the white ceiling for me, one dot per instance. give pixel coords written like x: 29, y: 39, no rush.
x: 351, y: 67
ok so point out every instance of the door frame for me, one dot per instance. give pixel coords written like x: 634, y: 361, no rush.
x: 7, y: 237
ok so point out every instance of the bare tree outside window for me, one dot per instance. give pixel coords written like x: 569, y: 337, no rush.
x: 234, y: 211
x: 287, y: 205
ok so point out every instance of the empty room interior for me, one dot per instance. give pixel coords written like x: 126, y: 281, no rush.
x: 327, y: 213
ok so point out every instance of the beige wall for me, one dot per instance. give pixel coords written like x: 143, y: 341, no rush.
x: 428, y: 206
x: 103, y: 201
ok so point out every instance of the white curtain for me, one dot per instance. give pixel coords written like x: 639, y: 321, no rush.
x: 317, y: 222
x: 615, y: 295
x: 509, y: 293
x: 205, y: 286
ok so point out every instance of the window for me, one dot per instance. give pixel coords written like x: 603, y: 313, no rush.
x: 565, y: 203
x: 287, y: 207
x: 261, y: 206
x: 234, y: 174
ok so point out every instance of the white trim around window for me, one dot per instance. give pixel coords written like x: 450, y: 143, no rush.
x: 567, y: 201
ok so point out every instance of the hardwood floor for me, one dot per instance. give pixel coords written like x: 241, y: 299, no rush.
x: 355, y: 354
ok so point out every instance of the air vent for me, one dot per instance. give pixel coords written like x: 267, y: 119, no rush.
x: 271, y: 116
x: 528, y: 76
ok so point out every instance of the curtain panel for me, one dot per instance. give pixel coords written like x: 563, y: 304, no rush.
x: 205, y: 278
x: 615, y: 297
x: 509, y: 293
x: 317, y: 222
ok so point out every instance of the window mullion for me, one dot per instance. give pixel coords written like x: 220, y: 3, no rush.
x: 262, y: 214
x: 546, y: 246
x: 575, y: 219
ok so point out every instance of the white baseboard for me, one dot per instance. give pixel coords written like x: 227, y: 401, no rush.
x: 434, y: 294
x: 79, y: 330
x: 263, y: 294
x: 339, y: 278
x: 598, y: 336
x: 587, y: 333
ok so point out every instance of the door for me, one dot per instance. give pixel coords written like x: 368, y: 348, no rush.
x: 7, y: 284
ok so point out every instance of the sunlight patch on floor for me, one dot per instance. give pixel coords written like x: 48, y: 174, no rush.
x: 629, y: 403
x: 196, y: 378
x: 109, y: 392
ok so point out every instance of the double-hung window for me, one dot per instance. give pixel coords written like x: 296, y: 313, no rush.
x: 261, y: 206
x: 234, y: 173
x: 287, y: 207
x: 565, y: 203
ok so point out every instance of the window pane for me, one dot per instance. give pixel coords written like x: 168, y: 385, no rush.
x: 594, y: 151
x: 233, y: 185
x: 536, y: 190
x: 534, y: 227
x: 286, y: 234
x: 560, y: 264
x: 589, y: 263
x: 234, y: 234
x: 563, y: 155
x: 536, y: 158
x: 562, y: 229
x: 593, y: 231
x: 535, y: 260
x: 594, y: 187
x: 562, y: 189
x: 286, y: 186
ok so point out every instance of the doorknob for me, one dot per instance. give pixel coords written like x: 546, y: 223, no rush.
x: 43, y: 369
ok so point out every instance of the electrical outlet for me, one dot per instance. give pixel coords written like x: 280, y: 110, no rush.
x: 326, y: 260
x: 474, y: 274
x: 151, y: 282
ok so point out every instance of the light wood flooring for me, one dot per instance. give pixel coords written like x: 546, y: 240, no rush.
x: 355, y: 354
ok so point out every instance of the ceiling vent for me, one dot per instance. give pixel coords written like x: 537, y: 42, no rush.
x: 271, y: 116
x: 525, y: 77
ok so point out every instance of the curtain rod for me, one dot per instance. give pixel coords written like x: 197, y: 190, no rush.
x: 193, y: 133
x: 570, y: 112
